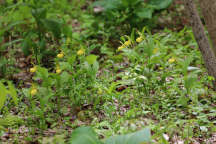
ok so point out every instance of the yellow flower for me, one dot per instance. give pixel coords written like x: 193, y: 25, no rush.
x: 127, y: 43
x: 155, y: 50
x: 33, y: 69
x: 139, y: 39
x: 60, y: 55
x: 100, y: 91
x: 120, y: 48
x: 34, y: 91
x: 80, y: 52
x: 58, y: 71
x: 171, y: 60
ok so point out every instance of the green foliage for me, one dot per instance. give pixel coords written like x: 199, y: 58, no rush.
x: 82, y: 78
x: 39, y: 10
x: 135, y: 12
x: 85, y: 135
x: 3, y: 95
x: 142, y: 136
x: 166, y: 78
x: 11, y: 91
x: 34, y: 26
x: 158, y: 4
x: 76, y: 82
x: 10, y: 121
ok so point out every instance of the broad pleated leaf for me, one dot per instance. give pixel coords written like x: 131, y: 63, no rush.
x: 3, y: 95
x: 139, y: 137
x: 84, y: 135
x: 160, y: 4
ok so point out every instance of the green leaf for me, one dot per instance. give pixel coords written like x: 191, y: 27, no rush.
x: 145, y: 13
x: 133, y: 138
x: 127, y: 3
x: 84, y: 135
x: 27, y: 45
x: 108, y: 4
x: 183, y: 101
x: 190, y: 81
x: 13, y: 92
x: 39, y: 13
x: 43, y: 74
x: 53, y: 25
x: 160, y: 4
x: 112, y: 87
x: 132, y: 36
x: 185, y: 64
x: 5, y: 45
x: 10, y: 26
x: 3, y: 94
x: 10, y: 121
x: 65, y: 77
x: 71, y: 59
x: 91, y: 59
x: 190, y: 68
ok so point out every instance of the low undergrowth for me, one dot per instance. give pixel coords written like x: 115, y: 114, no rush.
x: 67, y: 77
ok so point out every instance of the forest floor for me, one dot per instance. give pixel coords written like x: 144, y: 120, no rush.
x: 158, y: 82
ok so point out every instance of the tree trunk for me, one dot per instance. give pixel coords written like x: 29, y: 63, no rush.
x: 208, y: 8
x: 2, y: 2
x: 201, y: 38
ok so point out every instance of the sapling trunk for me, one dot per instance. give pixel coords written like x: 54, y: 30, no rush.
x: 208, y: 8
x: 201, y: 38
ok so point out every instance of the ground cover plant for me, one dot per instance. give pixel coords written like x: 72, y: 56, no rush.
x: 84, y: 71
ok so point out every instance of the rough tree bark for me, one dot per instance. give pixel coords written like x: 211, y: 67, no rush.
x: 2, y: 1
x: 208, y: 8
x: 201, y: 38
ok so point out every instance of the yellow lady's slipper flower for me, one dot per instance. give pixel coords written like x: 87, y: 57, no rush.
x: 139, y: 39
x: 33, y: 69
x: 127, y: 43
x: 120, y: 48
x: 80, y: 52
x: 100, y: 91
x: 171, y: 60
x: 34, y: 91
x: 60, y: 55
x: 155, y: 50
x: 58, y: 71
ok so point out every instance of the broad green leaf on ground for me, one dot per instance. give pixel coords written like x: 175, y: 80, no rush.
x: 145, y: 12
x: 140, y: 137
x: 84, y: 135
x: 108, y: 4
x: 130, y: 2
x: 160, y: 4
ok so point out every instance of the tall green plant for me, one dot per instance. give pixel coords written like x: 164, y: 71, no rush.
x: 6, y: 91
x: 39, y: 11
